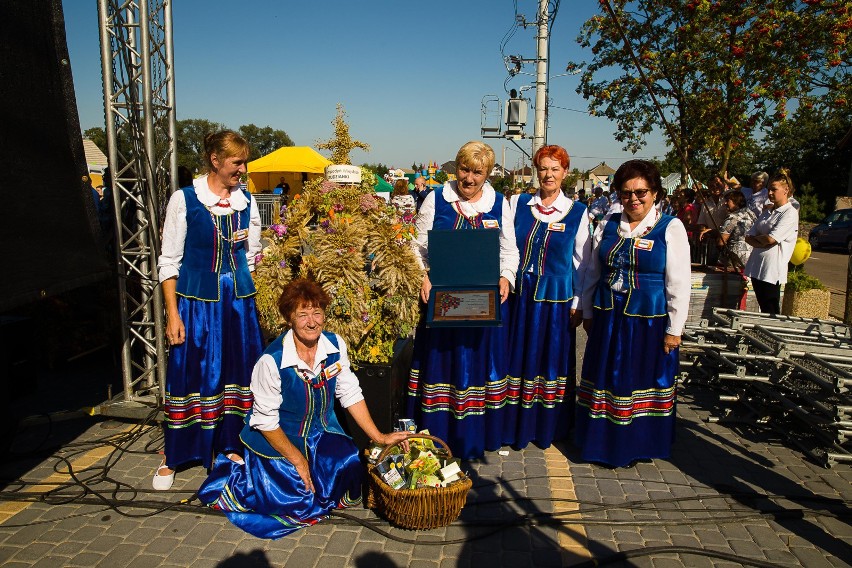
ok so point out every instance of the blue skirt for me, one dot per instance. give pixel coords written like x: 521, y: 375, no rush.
x: 267, y: 498
x: 457, y: 388
x: 542, y: 367
x: 208, y: 377
x: 626, y: 397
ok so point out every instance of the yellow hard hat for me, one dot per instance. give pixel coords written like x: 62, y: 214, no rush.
x: 801, y: 252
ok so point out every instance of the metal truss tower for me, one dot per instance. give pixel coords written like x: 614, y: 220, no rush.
x: 137, y: 56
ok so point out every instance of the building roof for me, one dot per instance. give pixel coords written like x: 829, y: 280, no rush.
x: 94, y: 156
x: 601, y: 170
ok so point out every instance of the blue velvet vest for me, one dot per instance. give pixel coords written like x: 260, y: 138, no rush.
x: 305, y: 407
x: 448, y: 217
x: 208, y: 252
x: 547, y: 253
x: 640, y: 263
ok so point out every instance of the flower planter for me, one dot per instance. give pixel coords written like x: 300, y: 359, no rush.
x: 806, y: 304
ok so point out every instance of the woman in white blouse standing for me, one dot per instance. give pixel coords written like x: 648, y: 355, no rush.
x: 457, y: 388
x: 552, y: 233
x: 635, y: 305
x: 210, y: 239
x: 773, y: 238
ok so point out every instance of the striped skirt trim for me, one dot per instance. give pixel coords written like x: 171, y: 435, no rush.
x: 623, y: 410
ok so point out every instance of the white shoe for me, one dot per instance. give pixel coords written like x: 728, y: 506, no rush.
x: 163, y: 482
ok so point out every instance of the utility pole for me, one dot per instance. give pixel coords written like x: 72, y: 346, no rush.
x: 540, y: 128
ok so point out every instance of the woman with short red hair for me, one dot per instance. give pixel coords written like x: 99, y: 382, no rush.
x: 552, y: 233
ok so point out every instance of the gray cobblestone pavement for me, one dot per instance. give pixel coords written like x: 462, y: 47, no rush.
x: 736, y: 492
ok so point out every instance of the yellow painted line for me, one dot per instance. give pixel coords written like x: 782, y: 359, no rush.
x: 573, y: 541
x: 9, y: 509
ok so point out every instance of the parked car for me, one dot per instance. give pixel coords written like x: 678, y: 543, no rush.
x: 833, y: 231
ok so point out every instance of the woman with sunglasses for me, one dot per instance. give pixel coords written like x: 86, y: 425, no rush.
x: 635, y: 302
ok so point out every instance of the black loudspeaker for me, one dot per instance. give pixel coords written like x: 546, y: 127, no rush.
x: 18, y: 370
x: 49, y: 222
x: 384, y: 392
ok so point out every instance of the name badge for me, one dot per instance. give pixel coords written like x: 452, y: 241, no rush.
x: 560, y: 227
x: 332, y: 371
x: 491, y: 223
x: 643, y: 244
x: 240, y: 235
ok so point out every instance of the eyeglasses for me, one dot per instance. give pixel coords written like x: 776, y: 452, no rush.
x: 639, y: 193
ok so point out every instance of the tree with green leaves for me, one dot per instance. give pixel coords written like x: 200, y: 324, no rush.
x: 98, y: 136
x: 263, y: 141
x: 571, y: 179
x: 808, y: 144
x: 190, y: 142
x: 378, y: 169
x: 718, y: 69
x: 191, y: 133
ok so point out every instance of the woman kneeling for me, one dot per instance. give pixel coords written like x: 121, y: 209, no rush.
x: 299, y: 464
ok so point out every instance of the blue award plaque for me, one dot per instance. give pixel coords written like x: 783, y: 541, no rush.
x: 464, y: 268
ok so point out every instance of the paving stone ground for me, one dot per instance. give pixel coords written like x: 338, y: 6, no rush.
x: 729, y: 491
x: 739, y: 493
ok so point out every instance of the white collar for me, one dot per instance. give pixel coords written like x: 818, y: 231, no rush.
x: 561, y: 203
x: 209, y: 199
x: 290, y: 358
x: 483, y: 205
x: 648, y: 221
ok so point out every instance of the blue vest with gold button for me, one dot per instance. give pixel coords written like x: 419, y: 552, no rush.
x: 639, y: 263
x: 549, y: 254
x: 448, y: 216
x: 209, y: 251
x: 306, y: 405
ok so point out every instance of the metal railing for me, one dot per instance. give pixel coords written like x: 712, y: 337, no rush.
x: 269, y: 206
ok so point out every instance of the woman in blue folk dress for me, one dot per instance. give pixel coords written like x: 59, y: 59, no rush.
x: 457, y: 387
x: 299, y: 464
x: 210, y: 239
x: 552, y: 233
x: 634, y: 307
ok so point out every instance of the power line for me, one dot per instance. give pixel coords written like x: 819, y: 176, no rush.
x: 571, y: 109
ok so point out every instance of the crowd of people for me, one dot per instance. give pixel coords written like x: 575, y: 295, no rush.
x: 722, y: 220
x: 263, y: 421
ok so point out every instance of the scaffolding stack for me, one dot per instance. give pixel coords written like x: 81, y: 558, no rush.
x: 793, y: 375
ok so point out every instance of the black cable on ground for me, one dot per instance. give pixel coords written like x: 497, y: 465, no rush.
x: 86, y: 480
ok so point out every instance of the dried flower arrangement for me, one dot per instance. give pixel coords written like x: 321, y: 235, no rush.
x: 357, y: 247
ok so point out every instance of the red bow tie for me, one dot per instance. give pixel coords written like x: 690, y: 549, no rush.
x: 223, y: 203
x: 545, y: 210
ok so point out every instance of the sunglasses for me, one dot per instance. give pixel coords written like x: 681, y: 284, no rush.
x: 639, y: 193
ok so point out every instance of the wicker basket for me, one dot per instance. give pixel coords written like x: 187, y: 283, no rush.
x: 424, y: 508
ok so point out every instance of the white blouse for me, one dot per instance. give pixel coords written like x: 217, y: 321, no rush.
x: 582, y: 242
x: 678, y: 276
x: 769, y: 264
x: 174, y: 229
x: 266, y: 380
x: 509, y: 256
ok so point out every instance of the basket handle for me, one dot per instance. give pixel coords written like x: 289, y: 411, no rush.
x: 387, y: 449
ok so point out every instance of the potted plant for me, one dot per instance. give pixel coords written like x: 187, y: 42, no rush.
x: 805, y: 296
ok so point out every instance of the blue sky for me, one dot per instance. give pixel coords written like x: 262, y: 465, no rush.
x: 410, y: 75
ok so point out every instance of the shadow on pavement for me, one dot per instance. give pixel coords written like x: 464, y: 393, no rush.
x: 748, y: 478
